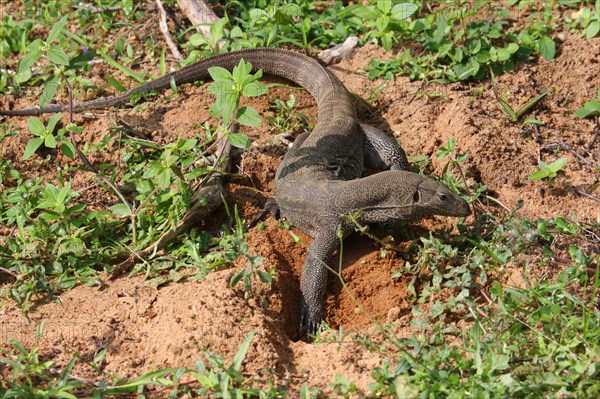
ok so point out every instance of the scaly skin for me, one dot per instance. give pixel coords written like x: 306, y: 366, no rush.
x: 319, y: 180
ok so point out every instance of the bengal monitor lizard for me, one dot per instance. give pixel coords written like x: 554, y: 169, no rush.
x: 319, y: 181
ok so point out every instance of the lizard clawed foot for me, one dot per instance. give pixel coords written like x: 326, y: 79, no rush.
x: 270, y: 207
x: 309, y: 322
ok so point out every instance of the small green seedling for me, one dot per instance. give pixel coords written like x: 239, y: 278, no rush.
x: 229, y: 88
x: 548, y: 170
x: 45, y: 135
x: 515, y: 115
x: 590, y: 108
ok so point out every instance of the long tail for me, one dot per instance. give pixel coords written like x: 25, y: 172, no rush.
x: 306, y: 72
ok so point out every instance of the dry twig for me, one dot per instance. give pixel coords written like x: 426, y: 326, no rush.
x: 165, y: 31
x: 199, y: 14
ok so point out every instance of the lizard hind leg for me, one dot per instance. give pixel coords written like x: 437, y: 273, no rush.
x: 381, y: 151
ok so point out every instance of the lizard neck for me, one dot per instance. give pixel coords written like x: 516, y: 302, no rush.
x: 381, y: 197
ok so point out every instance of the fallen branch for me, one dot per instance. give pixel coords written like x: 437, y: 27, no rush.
x: 200, y: 15
x: 165, y: 31
x: 339, y: 52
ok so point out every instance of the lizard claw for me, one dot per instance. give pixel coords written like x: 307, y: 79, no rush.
x: 270, y: 207
x: 309, y: 322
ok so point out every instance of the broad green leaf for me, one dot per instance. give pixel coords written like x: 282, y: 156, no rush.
x: 239, y: 140
x: 82, y: 59
x: 164, y: 178
x: 558, y: 164
x: 248, y: 116
x: 23, y: 76
x: 365, y: 13
x: 49, y: 91
x: 219, y: 73
x: 403, y: 10
x: 53, y: 121
x: 30, y: 59
x: 32, y: 147
x: 382, y: 23
x: 120, y: 210
x: 254, y: 89
x: 258, y: 16
x: 57, y: 55
x: 56, y: 29
x: 50, y: 196
x: 241, y: 71
x: 592, y: 29
x: 62, y: 194
x: 197, y: 40
x: 36, y: 126
x: 590, y: 108
x: 483, y: 56
x: 512, y: 48
x: 538, y: 175
x: 249, y: 78
x: 264, y: 276
x: 547, y: 48
x: 440, y: 31
x: 50, y: 141
x: 217, y: 30
x: 386, y: 43
x: 127, y: 6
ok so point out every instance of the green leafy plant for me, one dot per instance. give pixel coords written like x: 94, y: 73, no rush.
x: 238, y: 243
x: 303, y: 23
x: 228, y: 88
x: 455, y: 49
x: 45, y: 135
x: 516, y: 115
x: 59, y: 59
x: 587, y: 19
x: 548, y: 171
x: 286, y: 118
x: 28, y: 370
x: 383, y: 20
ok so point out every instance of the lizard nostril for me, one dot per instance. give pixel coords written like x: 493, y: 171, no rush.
x: 416, y: 196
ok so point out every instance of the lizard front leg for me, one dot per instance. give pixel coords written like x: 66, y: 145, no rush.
x: 313, y: 282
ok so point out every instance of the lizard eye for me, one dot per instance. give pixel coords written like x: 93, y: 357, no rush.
x: 442, y: 197
x: 417, y: 196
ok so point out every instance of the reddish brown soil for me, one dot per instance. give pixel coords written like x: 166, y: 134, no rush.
x: 145, y: 328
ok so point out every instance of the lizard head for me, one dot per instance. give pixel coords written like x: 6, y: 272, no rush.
x: 437, y: 199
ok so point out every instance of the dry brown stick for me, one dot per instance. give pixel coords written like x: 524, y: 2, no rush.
x: 164, y: 28
x: 199, y: 14
x: 586, y: 194
x: 561, y: 144
x: 10, y: 272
